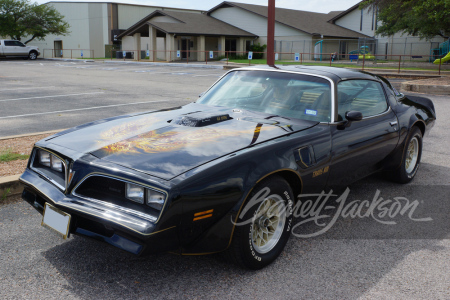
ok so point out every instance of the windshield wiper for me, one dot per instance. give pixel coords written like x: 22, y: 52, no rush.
x: 277, y: 116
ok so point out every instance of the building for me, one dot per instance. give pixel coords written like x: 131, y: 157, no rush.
x: 99, y: 28
x: 173, y: 35
x: 295, y: 30
x: 94, y: 27
x: 365, y: 22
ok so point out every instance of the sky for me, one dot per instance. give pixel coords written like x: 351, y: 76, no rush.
x: 322, y: 6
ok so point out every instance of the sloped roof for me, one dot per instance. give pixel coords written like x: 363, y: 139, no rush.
x: 189, y: 24
x: 343, y: 13
x: 306, y: 21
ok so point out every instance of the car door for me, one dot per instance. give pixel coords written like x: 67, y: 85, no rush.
x: 358, y: 147
x: 9, y: 48
x: 21, y: 49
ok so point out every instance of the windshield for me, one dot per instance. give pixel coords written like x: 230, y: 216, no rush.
x: 276, y: 93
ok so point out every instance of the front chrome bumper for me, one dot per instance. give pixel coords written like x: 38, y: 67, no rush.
x: 100, y: 220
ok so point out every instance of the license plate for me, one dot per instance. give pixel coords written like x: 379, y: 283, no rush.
x: 56, y: 220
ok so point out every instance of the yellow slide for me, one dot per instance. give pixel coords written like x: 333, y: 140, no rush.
x: 443, y: 60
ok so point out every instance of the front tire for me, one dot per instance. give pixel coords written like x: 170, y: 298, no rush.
x: 411, y: 158
x: 32, y: 55
x: 260, y: 241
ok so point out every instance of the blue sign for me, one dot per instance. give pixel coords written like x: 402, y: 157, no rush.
x: 297, y: 57
x: 250, y: 55
x: 124, y: 54
x: 178, y: 53
x: 353, y: 56
x: 211, y: 54
x: 148, y: 53
x: 81, y: 53
x: 61, y: 52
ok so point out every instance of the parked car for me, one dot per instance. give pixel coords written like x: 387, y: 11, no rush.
x: 17, y: 48
x: 180, y: 179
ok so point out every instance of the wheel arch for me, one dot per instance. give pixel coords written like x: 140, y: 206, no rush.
x: 293, y: 179
x: 420, y: 124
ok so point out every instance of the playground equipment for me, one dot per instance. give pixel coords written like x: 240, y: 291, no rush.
x: 437, y: 53
x: 363, y: 51
x: 318, y: 50
x: 442, y: 60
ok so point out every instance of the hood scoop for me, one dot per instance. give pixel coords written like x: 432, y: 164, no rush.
x: 200, y: 119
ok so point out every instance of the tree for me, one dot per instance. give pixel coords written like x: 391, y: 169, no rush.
x: 21, y: 18
x: 423, y: 18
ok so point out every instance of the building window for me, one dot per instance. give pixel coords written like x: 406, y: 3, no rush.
x: 360, y: 24
x: 373, y: 17
x: 376, y: 19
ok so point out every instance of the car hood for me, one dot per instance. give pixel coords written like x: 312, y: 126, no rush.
x: 168, y: 143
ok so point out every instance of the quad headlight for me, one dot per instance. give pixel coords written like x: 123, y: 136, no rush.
x: 142, y: 195
x: 50, y: 160
x: 44, y: 158
x: 57, y: 164
x: 155, y: 199
x: 135, y: 193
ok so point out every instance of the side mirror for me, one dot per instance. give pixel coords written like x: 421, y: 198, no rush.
x: 351, y: 116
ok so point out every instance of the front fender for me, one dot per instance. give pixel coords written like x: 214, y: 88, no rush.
x: 213, y: 195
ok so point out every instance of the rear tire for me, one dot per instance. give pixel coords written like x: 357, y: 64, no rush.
x: 410, y: 159
x: 258, y: 243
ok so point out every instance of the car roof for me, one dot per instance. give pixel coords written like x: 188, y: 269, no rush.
x: 336, y: 74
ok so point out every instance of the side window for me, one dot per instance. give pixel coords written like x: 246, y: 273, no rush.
x: 9, y: 43
x: 19, y: 44
x: 365, y: 96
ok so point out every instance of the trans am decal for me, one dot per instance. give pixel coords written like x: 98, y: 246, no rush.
x: 165, y: 139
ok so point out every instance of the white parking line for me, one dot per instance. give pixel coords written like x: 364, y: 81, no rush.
x: 212, y: 75
x: 78, y: 109
x: 43, y: 97
x: 28, y: 88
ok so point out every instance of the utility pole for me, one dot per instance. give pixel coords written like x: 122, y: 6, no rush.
x: 271, y: 33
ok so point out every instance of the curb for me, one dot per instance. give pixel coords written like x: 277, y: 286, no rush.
x: 426, y: 88
x: 204, y: 66
x: 30, y: 134
x: 12, y: 183
x: 69, y: 59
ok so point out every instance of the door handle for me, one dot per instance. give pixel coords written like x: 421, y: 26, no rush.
x: 393, y: 123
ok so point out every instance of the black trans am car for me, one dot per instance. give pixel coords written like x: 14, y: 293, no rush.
x: 180, y: 179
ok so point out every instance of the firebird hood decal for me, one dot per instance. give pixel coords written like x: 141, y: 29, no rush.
x: 151, y: 144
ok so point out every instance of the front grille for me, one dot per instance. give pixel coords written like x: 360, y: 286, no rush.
x: 102, y: 188
x: 49, y: 172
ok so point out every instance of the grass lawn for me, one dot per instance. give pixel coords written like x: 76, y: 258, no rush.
x: 7, y: 155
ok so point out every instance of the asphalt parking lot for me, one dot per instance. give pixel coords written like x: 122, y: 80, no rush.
x: 42, y: 95
x: 374, y: 262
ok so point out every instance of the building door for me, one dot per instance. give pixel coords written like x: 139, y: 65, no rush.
x: 230, y: 45
x: 185, y: 46
x: 58, y: 47
x: 343, y: 49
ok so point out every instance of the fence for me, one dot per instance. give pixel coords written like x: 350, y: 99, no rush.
x: 412, y: 46
x: 363, y: 61
x: 66, y: 53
